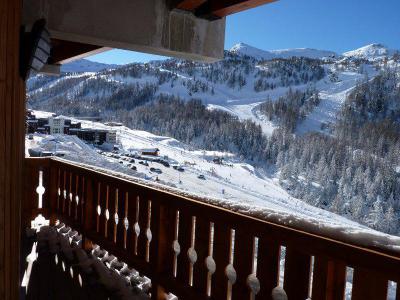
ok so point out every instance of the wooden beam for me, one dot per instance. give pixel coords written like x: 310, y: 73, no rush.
x: 215, y: 9
x: 189, y: 5
x: 12, y: 124
x: 146, y: 26
x: 66, y: 51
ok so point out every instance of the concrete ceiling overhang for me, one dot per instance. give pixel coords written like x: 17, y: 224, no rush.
x: 190, y: 29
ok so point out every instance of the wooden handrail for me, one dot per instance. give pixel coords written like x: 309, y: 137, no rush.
x: 200, y: 251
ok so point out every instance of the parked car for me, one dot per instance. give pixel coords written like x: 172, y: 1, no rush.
x: 144, y: 163
x: 30, y: 136
x: 180, y: 169
x: 132, y: 161
x: 165, y: 163
x: 133, y: 168
x: 201, y: 176
x: 155, y: 170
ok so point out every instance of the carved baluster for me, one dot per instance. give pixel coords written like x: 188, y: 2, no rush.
x: 368, y: 284
x: 59, y: 187
x: 111, y: 225
x: 64, y: 192
x: 192, y: 253
x: 222, y: 249
x: 75, y: 200
x: 329, y: 279
x: 200, y: 272
x: 268, y: 265
x: 70, y: 194
x: 184, y: 238
x: 106, y: 212
x: 297, y: 274
x: 244, y: 264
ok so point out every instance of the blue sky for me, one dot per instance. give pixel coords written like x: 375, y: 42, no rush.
x: 338, y: 25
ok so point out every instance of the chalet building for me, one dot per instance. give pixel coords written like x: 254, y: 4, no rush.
x: 32, y: 125
x: 111, y: 137
x: 98, y: 230
x: 62, y: 125
x: 57, y: 125
x: 95, y: 136
x: 149, y: 151
x: 113, y: 124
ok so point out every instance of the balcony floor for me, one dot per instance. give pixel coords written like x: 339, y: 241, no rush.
x: 59, y: 275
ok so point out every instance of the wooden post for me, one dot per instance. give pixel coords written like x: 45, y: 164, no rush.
x: 12, y: 127
x: 88, y: 213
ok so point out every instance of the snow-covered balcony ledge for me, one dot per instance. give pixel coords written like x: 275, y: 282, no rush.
x: 195, y: 247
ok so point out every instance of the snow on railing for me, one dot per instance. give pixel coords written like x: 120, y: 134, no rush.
x: 193, y: 249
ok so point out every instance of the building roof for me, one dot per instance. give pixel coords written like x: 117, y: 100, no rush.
x: 149, y: 150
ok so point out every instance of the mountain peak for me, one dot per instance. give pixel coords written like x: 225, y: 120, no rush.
x: 371, y: 51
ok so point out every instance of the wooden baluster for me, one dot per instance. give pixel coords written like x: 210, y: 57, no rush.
x: 76, y: 199
x: 105, y: 211
x: 111, y: 226
x: 70, y: 195
x: 89, y: 211
x: 143, y: 223
x: 219, y: 284
x: 161, y: 254
x: 200, y: 272
x: 184, y: 238
x: 243, y: 263
x: 101, y: 207
x: 368, y: 284
x: 59, y: 189
x: 268, y: 265
x: 82, y: 199
x: 97, y: 185
x: 329, y: 279
x: 52, y: 190
x: 133, y: 217
x: 149, y: 234
x: 398, y: 291
x: 48, y: 193
x: 297, y: 274
x: 64, y: 192
x: 121, y: 232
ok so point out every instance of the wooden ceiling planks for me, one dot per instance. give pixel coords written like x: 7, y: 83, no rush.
x: 66, y: 51
x: 216, y: 9
x: 189, y: 5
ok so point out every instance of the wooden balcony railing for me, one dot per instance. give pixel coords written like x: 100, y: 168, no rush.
x: 199, y: 251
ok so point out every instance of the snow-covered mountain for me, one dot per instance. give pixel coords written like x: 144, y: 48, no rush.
x: 245, y: 78
x: 85, y: 65
x: 372, y: 51
x: 298, y: 95
x: 245, y: 49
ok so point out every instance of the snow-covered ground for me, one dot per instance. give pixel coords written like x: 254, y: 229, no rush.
x: 235, y: 185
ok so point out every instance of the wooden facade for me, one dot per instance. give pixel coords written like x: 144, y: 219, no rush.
x: 12, y: 122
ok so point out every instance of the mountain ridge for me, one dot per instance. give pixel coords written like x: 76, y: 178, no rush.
x: 86, y: 65
x: 245, y: 49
